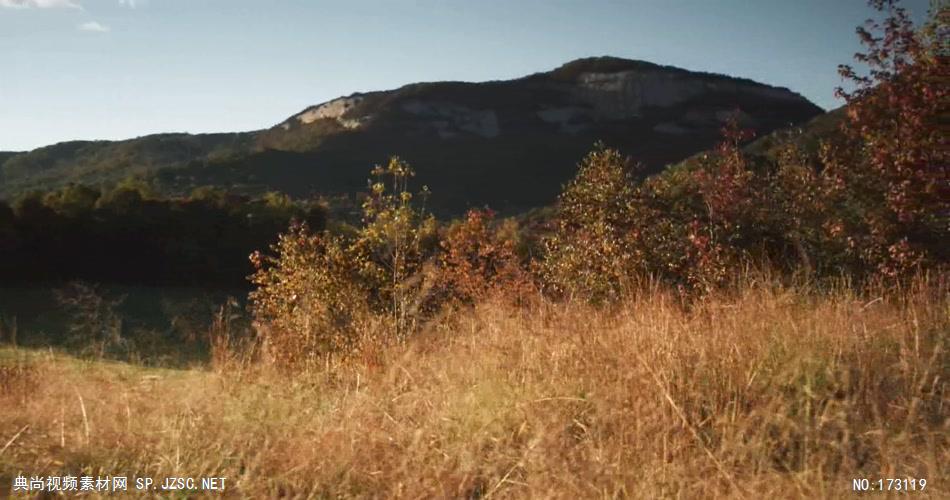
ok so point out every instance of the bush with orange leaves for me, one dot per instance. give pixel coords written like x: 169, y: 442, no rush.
x: 308, y: 300
x: 478, y: 260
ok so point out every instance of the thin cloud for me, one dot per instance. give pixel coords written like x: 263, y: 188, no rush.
x: 93, y: 26
x: 40, y: 4
x: 128, y: 3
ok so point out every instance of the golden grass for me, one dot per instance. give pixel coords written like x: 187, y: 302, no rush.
x: 765, y: 392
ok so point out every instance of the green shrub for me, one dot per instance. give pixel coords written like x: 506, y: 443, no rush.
x: 393, y: 250
x: 589, y: 252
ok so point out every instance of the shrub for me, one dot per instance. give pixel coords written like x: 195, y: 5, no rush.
x: 589, y: 253
x: 890, y: 174
x: 478, y: 260
x: 799, y: 211
x: 691, y: 227
x: 318, y: 292
x: 696, y: 228
x: 394, y: 248
x: 96, y: 327
x: 308, y: 301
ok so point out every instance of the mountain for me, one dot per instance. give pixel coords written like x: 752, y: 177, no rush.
x: 508, y: 144
x: 806, y: 137
x: 6, y: 155
x: 95, y: 162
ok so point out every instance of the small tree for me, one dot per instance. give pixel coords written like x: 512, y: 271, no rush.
x: 731, y: 224
x: 890, y: 177
x: 589, y: 252
x: 397, y: 240
x: 318, y: 292
x: 308, y: 300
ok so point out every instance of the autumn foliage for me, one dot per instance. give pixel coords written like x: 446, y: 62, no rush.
x: 893, y: 167
x: 324, y: 292
x: 479, y: 260
x: 869, y: 203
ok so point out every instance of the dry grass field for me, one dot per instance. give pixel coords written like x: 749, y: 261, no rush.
x: 767, y: 391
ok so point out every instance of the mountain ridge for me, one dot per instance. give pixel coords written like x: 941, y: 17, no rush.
x: 506, y: 143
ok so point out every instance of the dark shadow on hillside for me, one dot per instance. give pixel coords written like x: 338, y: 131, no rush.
x: 149, y: 326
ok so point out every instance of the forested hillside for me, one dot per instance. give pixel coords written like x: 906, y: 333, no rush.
x: 507, y: 144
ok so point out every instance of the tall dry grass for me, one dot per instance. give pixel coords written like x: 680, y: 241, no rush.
x: 764, y: 391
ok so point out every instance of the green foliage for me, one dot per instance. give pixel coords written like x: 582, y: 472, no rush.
x: 30, y: 203
x: 106, y: 162
x: 72, y: 200
x: 588, y: 253
x: 210, y: 195
x: 275, y: 200
x: 127, y: 235
x: 397, y: 240
x: 126, y: 197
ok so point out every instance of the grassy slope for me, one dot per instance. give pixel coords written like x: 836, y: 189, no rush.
x: 769, y: 392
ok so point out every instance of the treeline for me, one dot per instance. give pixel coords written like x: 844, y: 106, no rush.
x: 129, y: 235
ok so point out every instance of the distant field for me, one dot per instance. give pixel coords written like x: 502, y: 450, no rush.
x: 154, y: 317
x: 766, y: 392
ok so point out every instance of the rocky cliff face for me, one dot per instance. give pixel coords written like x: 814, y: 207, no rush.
x: 331, y: 110
x: 510, y: 144
x: 599, y: 91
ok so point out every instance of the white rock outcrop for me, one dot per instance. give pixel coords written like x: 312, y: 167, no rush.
x: 451, y: 119
x: 625, y: 94
x: 333, y: 110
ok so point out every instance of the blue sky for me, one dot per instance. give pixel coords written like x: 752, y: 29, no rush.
x: 113, y: 69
